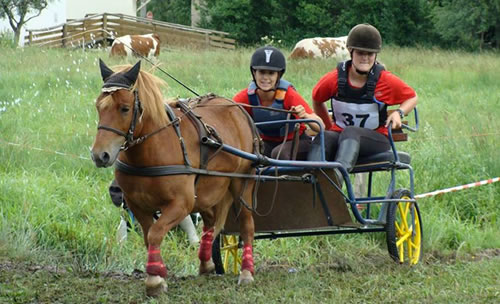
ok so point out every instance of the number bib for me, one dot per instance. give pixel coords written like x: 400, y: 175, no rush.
x: 363, y: 115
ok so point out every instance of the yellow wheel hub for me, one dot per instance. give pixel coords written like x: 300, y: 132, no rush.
x: 229, y: 250
x: 408, y: 232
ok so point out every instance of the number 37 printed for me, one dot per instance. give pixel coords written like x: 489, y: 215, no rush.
x: 357, y: 120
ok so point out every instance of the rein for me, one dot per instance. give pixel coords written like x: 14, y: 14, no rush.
x: 129, y: 135
x: 174, y: 121
x: 183, y: 169
x: 251, y: 106
x: 152, y: 63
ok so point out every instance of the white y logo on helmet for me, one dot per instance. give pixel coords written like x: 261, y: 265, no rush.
x: 268, y: 55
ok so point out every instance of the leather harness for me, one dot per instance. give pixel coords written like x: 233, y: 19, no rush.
x: 204, y: 131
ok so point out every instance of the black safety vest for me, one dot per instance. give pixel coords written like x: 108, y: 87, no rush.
x: 359, y: 96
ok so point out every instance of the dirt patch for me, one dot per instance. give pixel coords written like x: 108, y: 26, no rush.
x: 6, y: 265
x: 486, y: 254
x: 453, y: 257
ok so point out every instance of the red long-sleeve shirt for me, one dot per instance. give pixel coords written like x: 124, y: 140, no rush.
x: 390, y: 90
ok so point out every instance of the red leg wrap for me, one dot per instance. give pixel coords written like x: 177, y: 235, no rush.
x: 207, y: 238
x: 247, y: 260
x: 155, y: 264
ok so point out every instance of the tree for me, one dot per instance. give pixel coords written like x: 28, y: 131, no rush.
x: 236, y: 17
x: 401, y: 22
x: 19, y: 9
x: 468, y: 24
x: 450, y: 23
x: 175, y: 11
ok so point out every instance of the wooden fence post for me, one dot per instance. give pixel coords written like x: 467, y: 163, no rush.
x: 84, y: 25
x: 64, y: 35
x: 105, y: 28
x: 120, y: 27
x: 31, y: 38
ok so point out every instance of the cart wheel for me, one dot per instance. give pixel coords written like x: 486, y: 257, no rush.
x: 225, y: 254
x: 404, y: 229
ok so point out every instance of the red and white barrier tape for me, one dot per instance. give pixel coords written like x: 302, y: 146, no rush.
x: 44, y: 150
x: 457, y: 188
x: 428, y: 194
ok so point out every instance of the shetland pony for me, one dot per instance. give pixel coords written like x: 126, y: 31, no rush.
x: 130, y: 106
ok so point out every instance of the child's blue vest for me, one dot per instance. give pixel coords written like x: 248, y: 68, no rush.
x: 263, y: 115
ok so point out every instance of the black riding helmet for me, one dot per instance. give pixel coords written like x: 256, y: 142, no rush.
x: 364, y: 37
x: 268, y: 58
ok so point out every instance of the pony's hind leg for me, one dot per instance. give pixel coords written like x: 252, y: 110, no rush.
x: 213, y: 220
x: 207, y: 266
x: 247, y: 236
x: 247, y: 230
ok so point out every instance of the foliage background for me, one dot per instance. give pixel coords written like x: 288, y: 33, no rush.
x: 464, y: 24
x: 175, y: 11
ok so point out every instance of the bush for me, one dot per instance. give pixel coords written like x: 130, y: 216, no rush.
x: 7, y: 40
x: 446, y: 23
x: 468, y: 25
x: 403, y: 22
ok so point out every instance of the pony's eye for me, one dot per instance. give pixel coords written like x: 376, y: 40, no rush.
x: 124, y: 109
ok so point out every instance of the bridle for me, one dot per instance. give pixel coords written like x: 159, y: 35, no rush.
x: 129, y: 135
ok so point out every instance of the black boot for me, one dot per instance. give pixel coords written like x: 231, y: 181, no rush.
x: 330, y: 141
x: 347, y: 155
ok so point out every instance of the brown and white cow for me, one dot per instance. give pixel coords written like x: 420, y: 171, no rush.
x: 321, y: 48
x: 136, y: 45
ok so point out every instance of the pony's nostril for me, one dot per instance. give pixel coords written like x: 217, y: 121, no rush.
x: 105, y: 157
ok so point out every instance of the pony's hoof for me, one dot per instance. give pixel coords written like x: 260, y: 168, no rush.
x: 155, y: 286
x: 246, y: 278
x: 207, y: 267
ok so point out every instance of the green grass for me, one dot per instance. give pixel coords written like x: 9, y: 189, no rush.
x: 57, y: 224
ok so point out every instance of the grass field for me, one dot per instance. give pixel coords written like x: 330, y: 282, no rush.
x: 57, y: 223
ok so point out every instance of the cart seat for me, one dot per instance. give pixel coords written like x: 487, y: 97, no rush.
x: 387, y: 156
x: 380, y: 161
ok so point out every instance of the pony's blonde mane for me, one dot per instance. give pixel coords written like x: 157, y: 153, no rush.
x: 149, y: 88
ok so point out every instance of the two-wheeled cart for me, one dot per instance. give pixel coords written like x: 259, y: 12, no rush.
x: 306, y: 200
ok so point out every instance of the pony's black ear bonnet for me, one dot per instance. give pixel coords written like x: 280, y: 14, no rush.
x: 117, y: 81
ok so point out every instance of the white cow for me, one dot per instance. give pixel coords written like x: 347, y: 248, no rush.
x: 321, y: 48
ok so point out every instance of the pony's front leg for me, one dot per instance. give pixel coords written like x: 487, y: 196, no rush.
x: 156, y: 272
x: 247, y: 229
x: 155, y: 268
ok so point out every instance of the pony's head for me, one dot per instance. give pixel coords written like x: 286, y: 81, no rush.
x: 128, y: 97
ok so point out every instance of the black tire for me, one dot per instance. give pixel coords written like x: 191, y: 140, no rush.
x: 217, y: 256
x: 404, y: 229
x: 226, y: 253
